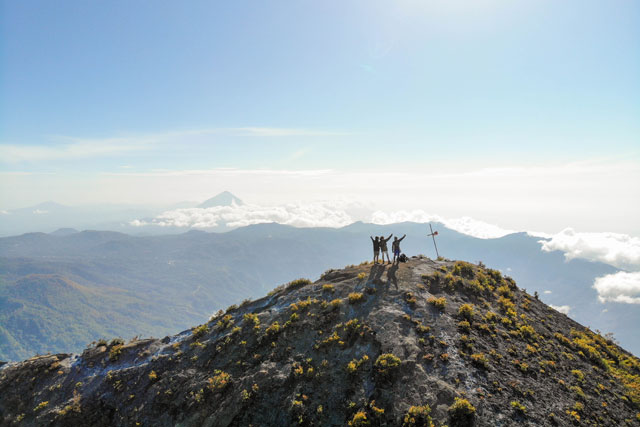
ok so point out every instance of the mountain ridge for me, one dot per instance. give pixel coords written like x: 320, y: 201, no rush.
x: 412, y: 344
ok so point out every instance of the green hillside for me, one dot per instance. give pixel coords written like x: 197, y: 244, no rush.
x: 48, y: 311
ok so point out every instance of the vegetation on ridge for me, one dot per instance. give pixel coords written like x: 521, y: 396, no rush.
x: 437, y: 343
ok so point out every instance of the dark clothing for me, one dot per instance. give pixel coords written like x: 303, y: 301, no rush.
x: 383, y: 243
x: 376, y: 244
x: 395, y: 246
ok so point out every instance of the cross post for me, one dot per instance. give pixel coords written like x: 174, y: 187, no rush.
x: 433, y: 236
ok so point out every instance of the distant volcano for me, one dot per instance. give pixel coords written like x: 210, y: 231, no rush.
x: 223, y: 199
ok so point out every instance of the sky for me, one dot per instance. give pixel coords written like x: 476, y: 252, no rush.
x: 521, y: 114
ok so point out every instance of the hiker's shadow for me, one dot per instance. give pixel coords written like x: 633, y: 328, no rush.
x: 375, y: 274
x: 391, y: 275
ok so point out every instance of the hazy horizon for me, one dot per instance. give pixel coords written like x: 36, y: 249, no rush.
x: 521, y: 115
x: 489, y: 117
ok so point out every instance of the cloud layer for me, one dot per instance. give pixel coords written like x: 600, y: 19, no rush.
x: 619, y: 287
x: 465, y: 225
x: 297, y: 215
x: 619, y: 250
x: 321, y: 214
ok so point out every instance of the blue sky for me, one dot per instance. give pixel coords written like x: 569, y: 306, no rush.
x: 90, y: 91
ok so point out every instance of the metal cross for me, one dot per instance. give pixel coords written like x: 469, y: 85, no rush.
x: 433, y: 236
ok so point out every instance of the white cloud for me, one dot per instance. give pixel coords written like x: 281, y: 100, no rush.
x: 335, y: 213
x: 619, y: 287
x: 66, y: 147
x: 75, y: 149
x: 297, y: 215
x: 226, y: 172
x: 475, y: 228
x: 465, y: 225
x: 40, y: 212
x: 380, y: 217
x: 547, y: 292
x: 619, y: 250
x: 561, y: 308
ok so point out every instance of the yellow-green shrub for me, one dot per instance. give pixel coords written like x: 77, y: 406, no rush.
x: 461, y: 413
x: 418, y: 416
x: 439, y: 303
x: 200, y: 330
x: 298, y: 283
x: 466, y: 311
x: 355, y: 297
x: 219, y: 381
x: 387, y: 363
x: 480, y: 359
x: 359, y: 419
x: 518, y: 407
x: 463, y: 269
x: 328, y: 288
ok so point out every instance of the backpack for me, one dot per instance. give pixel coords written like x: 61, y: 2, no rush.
x: 403, y: 258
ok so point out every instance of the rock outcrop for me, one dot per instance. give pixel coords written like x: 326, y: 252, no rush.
x: 421, y: 343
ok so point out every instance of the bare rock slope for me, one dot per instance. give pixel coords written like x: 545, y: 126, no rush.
x: 421, y: 343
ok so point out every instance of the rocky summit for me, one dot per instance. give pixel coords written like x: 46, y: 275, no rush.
x: 422, y: 343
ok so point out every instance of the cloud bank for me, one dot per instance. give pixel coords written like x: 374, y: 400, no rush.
x: 619, y: 250
x: 321, y: 214
x: 619, y: 287
x: 297, y: 215
x: 465, y: 225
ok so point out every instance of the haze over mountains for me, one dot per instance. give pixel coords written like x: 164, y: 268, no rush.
x: 49, y: 216
x: 60, y: 291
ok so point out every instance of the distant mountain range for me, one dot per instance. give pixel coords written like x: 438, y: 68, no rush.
x: 49, y: 216
x: 60, y: 291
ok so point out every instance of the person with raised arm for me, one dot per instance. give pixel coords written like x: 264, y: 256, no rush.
x: 376, y: 249
x: 395, y: 247
x: 383, y: 247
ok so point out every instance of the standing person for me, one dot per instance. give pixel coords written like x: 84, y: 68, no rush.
x: 383, y: 247
x: 395, y: 247
x: 376, y: 249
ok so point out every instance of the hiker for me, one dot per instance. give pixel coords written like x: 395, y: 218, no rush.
x: 376, y: 249
x: 383, y: 247
x: 395, y: 247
